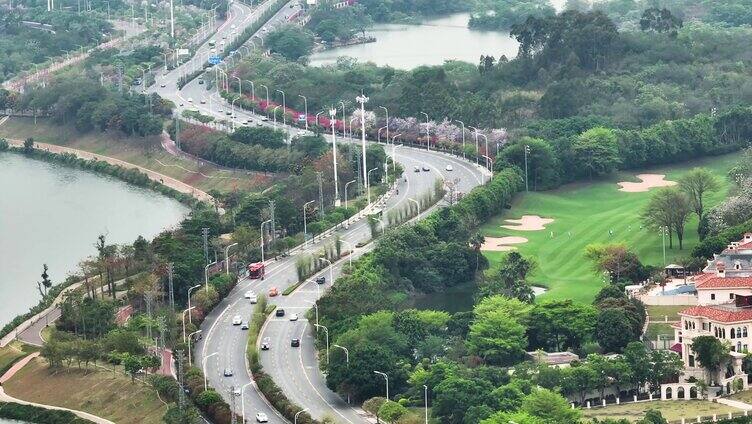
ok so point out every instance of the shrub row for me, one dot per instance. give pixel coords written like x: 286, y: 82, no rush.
x: 255, y: 26
x: 34, y: 414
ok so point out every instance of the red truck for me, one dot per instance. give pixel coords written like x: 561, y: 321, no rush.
x: 256, y: 271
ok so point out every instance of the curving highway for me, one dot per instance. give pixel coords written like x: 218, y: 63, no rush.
x: 294, y: 369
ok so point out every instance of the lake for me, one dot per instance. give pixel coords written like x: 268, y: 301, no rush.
x: 52, y: 214
x: 430, y: 42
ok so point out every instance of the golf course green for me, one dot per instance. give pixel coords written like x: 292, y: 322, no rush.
x: 595, y: 212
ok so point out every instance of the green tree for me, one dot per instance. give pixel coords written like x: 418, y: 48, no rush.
x: 613, y: 330
x: 28, y: 145
x: 696, y: 184
x: 550, y: 407
x: 391, y: 411
x: 615, y: 259
x: 455, y: 395
x: 497, y: 337
x: 509, y: 279
x: 660, y: 20
x: 291, y: 41
x: 542, y: 163
x: 710, y: 352
x: 560, y: 325
x: 596, y: 151
x: 132, y: 365
x: 512, y: 417
x: 668, y: 208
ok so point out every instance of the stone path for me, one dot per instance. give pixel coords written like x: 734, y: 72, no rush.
x: 735, y: 404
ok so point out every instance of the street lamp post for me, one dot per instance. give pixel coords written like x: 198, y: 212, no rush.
x: 242, y: 399
x: 305, y: 221
x: 227, y: 258
x: 425, y: 400
x: 463, y: 137
x: 253, y: 90
x: 232, y: 111
x: 274, y: 112
x: 527, y: 151
x: 295, y: 421
x: 184, y: 312
x: 305, y: 109
x: 386, y: 111
x: 203, y: 368
x: 190, y: 337
x: 362, y: 99
x: 368, y: 187
x: 351, y: 249
x: 428, y: 136
x: 416, y: 204
x: 331, y: 272
x: 333, y: 114
x: 266, y: 109
x: 240, y: 86
x: 206, y: 275
x: 190, y: 317
x: 284, y: 107
x: 262, y: 239
x: 386, y: 377
x: 316, y: 307
x: 347, y: 184
x: 477, y: 150
x: 327, y: 341
x: 317, y: 118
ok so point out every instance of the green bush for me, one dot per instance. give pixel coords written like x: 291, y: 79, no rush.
x: 33, y: 414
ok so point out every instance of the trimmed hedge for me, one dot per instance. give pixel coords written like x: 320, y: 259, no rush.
x: 34, y: 414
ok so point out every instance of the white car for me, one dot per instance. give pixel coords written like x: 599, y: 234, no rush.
x: 249, y: 294
x: 294, y: 317
x: 203, y: 102
x: 163, y: 85
x: 449, y: 168
x: 232, y: 26
x: 265, y: 119
x: 190, y: 100
x: 261, y: 417
x: 237, y: 320
x: 254, y: 299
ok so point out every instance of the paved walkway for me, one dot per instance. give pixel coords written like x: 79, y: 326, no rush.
x: 4, y: 397
x: 154, y: 176
x: 735, y: 404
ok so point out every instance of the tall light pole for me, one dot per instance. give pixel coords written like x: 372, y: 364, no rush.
x: 262, y: 239
x: 351, y: 249
x: 463, y: 137
x: 227, y: 258
x: 295, y: 421
x: 305, y: 109
x: 172, y: 18
x: 305, y: 220
x: 416, y: 204
x: 486, y: 141
x: 331, y: 272
x: 284, y: 117
x: 362, y: 99
x: 203, y: 368
x: 386, y: 377
x: 242, y: 398
x: 428, y: 136
x: 266, y: 109
x: 316, y: 307
x: 240, y: 86
x: 206, y: 275
x: 327, y: 341
x: 333, y: 114
x: 477, y: 150
x: 527, y: 150
x: 253, y: 90
x: 347, y: 184
x: 386, y: 111
x: 368, y: 187
x: 343, y: 118
x: 190, y: 317
x: 190, y: 337
x: 184, y: 312
x: 347, y: 353
x: 664, y: 230
x: 317, y: 118
x: 232, y: 111
x: 425, y: 400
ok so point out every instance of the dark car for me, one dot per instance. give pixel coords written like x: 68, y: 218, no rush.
x: 228, y: 372
x: 280, y: 312
x: 295, y: 343
x: 321, y: 280
x: 425, y: 168
x: 200, y: 81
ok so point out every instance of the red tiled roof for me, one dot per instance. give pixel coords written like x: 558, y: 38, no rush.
x: 724, y: 282
x: 718, y: 314
x: 677, y: 348
x: 676, y: 325
x: 702, y: 277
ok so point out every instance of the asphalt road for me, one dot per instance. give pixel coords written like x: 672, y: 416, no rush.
x: 295, y: 370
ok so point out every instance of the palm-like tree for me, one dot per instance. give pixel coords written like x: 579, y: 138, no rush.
x: 476, y: 241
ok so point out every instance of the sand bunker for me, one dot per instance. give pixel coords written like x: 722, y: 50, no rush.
x: 528, y: 223
x: 501, y: 244
x: 648, y: 181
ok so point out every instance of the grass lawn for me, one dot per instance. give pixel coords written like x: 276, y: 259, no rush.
x: 671, y: 410
x: 745, y: 396
x: 97, y: 392
x: 584, y: 213
x: 146, y: 152
x: 654, y: 330
x: 660, y: 312
x: 10, y: 354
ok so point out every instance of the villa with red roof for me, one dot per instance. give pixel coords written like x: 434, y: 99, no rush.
x: 724, y: 310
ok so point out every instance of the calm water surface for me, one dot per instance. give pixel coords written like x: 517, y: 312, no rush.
x: 53, y: 214
x: 429, y: 43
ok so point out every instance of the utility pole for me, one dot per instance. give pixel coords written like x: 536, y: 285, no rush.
x: 149, y: 299
x: 170, y: 269
x: 527, y: 150
x: 177, y: 132
x: 362, y: 99
x: 333, y: 114
x: 181, y: 379
x: 172, y: 22
x: 205, y: 234
x: 321, y: 193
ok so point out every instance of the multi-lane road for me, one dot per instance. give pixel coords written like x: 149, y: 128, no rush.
x: 294, y: 369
